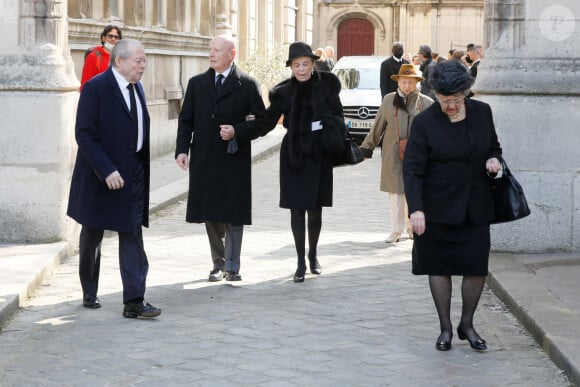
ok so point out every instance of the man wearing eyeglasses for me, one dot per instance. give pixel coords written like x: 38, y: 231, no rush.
x: 97, y: 58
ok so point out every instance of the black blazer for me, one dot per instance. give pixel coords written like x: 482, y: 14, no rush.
x: 390, y: 67
x: 444, y: 178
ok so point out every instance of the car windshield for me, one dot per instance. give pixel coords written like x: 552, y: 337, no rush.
x: 358, y: 78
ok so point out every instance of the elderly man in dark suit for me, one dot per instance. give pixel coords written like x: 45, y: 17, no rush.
x: 216, y: 126
x: 110, y: 182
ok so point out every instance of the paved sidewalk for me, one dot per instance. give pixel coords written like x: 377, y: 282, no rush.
x: 24, y: 267
x: 541, y: 290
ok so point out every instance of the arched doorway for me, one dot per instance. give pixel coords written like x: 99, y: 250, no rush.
x: 355, y: 37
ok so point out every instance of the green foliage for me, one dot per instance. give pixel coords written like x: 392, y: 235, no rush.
x: 268, y: 68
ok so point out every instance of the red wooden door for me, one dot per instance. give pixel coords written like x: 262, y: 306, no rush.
x: 355, y: 37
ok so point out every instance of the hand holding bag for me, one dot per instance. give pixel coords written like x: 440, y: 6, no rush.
x: 352, y: 151
x: 337, y: 142
x: 509, y: 200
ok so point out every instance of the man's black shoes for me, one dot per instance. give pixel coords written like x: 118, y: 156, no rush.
x: 140, y: 309
x: 91, y: 303
x: 216, y: 275
x: 233, y: 276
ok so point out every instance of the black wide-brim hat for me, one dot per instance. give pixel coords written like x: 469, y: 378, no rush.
x: 298, y: 49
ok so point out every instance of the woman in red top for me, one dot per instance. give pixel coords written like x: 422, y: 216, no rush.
x: 97, y: 61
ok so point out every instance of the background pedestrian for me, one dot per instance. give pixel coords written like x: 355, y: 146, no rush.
x: 97, y: 58
x: 392, y: 125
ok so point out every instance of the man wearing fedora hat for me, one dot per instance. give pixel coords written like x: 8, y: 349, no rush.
x: 393, y: 123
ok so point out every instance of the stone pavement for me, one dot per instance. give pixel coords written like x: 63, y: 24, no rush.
x: 365, y: 321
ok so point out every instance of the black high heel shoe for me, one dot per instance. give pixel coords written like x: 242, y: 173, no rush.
x: 315, y: 267
x: 299, y: 275
x: 443, y: 345
x: 478, y: 345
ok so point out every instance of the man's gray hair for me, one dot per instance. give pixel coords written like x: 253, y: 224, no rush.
x: 123, y: 49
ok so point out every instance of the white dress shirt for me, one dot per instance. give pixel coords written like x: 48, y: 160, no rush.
x: 123, y: 83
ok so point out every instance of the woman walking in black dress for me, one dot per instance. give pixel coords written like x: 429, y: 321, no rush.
x: 452, y: 148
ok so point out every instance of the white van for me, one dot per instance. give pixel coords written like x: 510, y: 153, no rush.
x: 361, y: 91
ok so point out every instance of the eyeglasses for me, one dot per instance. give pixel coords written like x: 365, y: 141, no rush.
x: 111, y: 36
x: 448, y: 102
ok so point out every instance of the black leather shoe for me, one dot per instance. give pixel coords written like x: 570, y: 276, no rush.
x: 478, y: 345
x: 233, y: 276
x: 91, y: 303
x: 299, y: 275
x: 444, y: 341
x: 443, y: 345
x: 216, y: 275
x: 141, y: 309
x: 315, y: 266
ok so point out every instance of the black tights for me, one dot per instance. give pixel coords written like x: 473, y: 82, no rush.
x: 297, y: 223
x: 471, y: 289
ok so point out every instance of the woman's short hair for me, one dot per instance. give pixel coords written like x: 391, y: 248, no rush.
x: 450, y: 77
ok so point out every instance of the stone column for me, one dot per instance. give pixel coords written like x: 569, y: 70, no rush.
x: 530, y: 76
x: 38, y: 95
x: 223, y: 25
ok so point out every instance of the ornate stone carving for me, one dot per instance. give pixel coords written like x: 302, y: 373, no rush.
x: 40, y: 60
x: 222, y: 17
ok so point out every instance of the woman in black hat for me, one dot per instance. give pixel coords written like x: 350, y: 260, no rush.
x: 452, y: 148
x: 310, y: 104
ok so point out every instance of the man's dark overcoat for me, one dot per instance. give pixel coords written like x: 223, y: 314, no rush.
x: 389, y: 67
x: 220, y: 184
x: 106, y: 143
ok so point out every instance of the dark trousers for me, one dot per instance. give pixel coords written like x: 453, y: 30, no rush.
x: 225, y: 256
x: 133, y: 262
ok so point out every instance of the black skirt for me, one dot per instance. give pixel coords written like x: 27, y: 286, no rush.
x: 444, y: 249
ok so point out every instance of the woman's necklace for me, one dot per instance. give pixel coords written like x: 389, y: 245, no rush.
x: 460, y: 115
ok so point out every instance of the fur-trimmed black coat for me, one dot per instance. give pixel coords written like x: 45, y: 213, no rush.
x: 305, y: 166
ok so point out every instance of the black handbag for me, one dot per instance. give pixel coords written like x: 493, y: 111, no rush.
x: 509, y: 200
x: 336, y: 141
x: 351, y: 154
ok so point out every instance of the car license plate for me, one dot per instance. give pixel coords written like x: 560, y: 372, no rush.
x: 360, y: 124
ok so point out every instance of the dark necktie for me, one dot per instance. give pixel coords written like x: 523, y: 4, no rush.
x: 133, y: 104
x: 134, y: 115
x: 219, y: 82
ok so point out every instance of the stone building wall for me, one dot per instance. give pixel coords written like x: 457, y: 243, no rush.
x: 442, y: 25
x: 41, y: 59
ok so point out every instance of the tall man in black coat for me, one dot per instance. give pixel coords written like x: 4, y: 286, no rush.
x: 391, y: 66
x: 110, y: 182
x: 216, y: 126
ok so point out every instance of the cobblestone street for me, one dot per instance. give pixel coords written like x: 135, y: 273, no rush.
x: 366, y: 321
